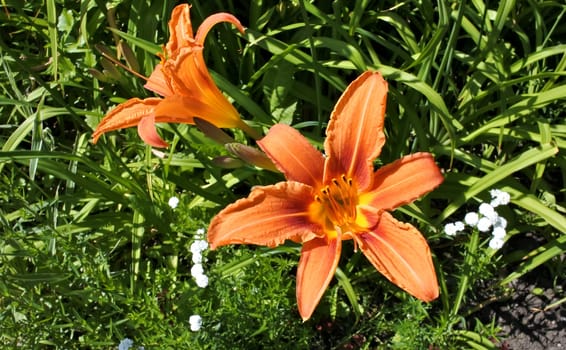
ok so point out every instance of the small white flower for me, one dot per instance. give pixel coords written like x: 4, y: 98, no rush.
x: 488, y: 211
x: 471, y: 219
x: 459, y: 226
x: 200, y: 232
x: 496, y: 243
x: 201, y: 280
x: 125, y: 344
x: 450, y: 229
x: 499, y: 197
x: 173, y: 202
x: 197, y: 258
x: 202, y: 244
x: 199, y: 246
x: 195, y: 249
x: 484, y: 224
x: 196, y: 322
x: 500, y: 222
x: 197, y: 270
x: 499, y: 232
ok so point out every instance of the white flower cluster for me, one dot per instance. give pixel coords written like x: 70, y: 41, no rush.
x: 197, y: 271
x: 485, y: 219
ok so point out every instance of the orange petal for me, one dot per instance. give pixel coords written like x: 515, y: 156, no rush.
x: 197, y: 93
x: 176, y: 109
x: 148, y: 133
x: 126, y: 115
x: 403, y: 181
x: 269, y: 216
x: 319, y: 259
x: 180, y: 30
x: 293, y: 155
x: 189, y: 75
x: 400, y: 253
x: 157, y: 82
x: 214, y: 19
x: 355, y: 132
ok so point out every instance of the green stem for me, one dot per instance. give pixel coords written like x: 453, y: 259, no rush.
x: 469, y: 260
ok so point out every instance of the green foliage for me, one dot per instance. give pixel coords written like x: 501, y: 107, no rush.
x: 91, y: 253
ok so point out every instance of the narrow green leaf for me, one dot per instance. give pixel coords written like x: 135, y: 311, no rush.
x: 534, y: 205
x: 344, y: 282
x: 144, y: 44
x: 524, y: 160
x: 54, y: 41
x: 527, y: 105
x: 538, y: 257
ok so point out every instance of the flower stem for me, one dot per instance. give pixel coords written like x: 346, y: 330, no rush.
x: 469, y: 260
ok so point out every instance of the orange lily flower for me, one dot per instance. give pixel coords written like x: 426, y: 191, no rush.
x: 185, y: 83
x: 327, y: 199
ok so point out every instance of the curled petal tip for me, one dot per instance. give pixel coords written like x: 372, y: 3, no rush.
x: 125, y: 115
x: 147, y: 132
x: 214, y: 19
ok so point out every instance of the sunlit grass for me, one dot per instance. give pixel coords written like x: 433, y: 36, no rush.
x: 91, y: 253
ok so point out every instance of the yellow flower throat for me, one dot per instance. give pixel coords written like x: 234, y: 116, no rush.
x: 335, y: 205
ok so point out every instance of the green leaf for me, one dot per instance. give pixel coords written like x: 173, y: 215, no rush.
x: 144, y: 44
x: 495, y: 175
x: 538, y: 257
x: 344, y: 282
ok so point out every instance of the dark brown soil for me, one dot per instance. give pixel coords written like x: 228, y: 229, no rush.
x: 531, y: 317
x: 528, y: 320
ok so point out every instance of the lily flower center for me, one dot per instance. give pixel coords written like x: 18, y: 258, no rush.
x: 335, y: 204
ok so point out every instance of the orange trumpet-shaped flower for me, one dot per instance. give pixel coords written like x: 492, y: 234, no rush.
x: 184, y: 82
x: 327, y: 199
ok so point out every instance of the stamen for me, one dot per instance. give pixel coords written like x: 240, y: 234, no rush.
x: 339, y: 200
